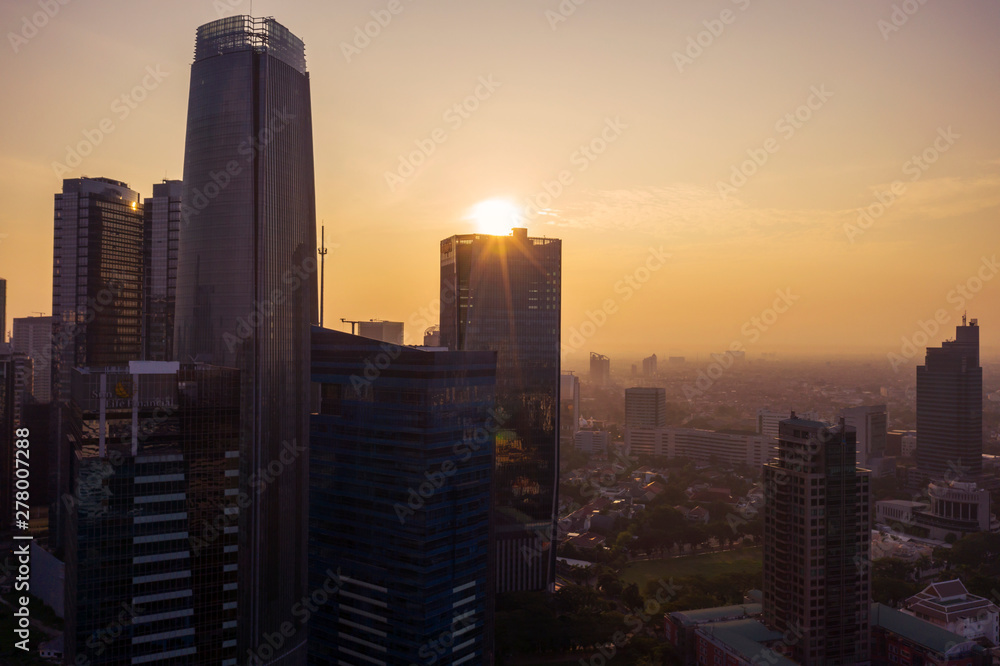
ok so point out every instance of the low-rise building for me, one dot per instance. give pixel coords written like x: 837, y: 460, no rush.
x: 900, y: 638
x: 950, y: 606
x: 957, y: 508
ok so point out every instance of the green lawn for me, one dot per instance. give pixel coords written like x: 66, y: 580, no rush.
x: 747, y: 560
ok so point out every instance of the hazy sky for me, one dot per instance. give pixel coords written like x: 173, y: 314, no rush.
x: 833, y: 101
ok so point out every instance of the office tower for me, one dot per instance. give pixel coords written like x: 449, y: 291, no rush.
x: 600, y: 369
x: 33, y: 337
x: 246, y: 289
x: 872, y: 425
x: 646, y: 407
x: 3, y: 310
x: 569, y: 407
x: 649, y: 366
x: 768, y: 421
x: 152, y: 530
x: 96, y: 278
x: 386, y: 331
x: 817, y: 544
x: 503, y: 294
x: 950, y: 407
x: 7, y: 426
x: 162, y: 221
x: 400, y: 471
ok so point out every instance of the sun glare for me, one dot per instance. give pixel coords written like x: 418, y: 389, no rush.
x: 495, y: 217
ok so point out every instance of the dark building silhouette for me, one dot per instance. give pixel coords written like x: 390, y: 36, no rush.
x: 246, y: 293
x: 96, y: 278
x: 817, y: 541
x: 400, y: 470
x: 646, y: 407
x: 162, y: 213
x: 3, y: 310
x: 950, y: 407
x: 503, y: 294
x: 33, y: 337
x: 600, y: 369
x: 649, y: 366
x: 152, y: 531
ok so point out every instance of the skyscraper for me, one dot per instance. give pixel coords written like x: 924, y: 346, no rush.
x: 600, y: 369
x: 950, y: 408
x: 246, y: 291
x: 3, y: 310
x: 33, y: 337
x: 96, y: 278
x: 400, y: 470
x: 645, y: 407
x: 151, y: 543
x: 569, y: 407
x: 503, y: 294
x: 817, y: 541
x: 162, y: 226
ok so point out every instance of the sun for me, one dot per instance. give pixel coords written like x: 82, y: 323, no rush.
x: 495, y: 217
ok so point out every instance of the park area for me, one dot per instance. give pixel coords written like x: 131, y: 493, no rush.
x: 707, y: 565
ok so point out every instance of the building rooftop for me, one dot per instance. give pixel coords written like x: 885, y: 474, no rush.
x: 704, y: 615
x: 747, y: 638
x: 918, y: 631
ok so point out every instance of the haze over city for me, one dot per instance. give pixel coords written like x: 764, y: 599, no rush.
x: 630, y: 125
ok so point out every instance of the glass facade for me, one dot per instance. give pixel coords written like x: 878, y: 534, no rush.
x: 246, y: 287
x: 950, y: 408
x: 503, y: 294
x: 152, y: 572
x: 162, y: 228
x: 401, y: 460
x: 97, y: 277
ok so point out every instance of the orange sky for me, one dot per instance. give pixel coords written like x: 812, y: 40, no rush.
x: 673, y: 98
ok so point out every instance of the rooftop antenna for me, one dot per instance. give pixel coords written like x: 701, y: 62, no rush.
x: 964, y: 315
x: 322, y: 271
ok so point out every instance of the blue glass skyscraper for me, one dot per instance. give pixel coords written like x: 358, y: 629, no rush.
x: 401, y: 462
x: 246, y: 294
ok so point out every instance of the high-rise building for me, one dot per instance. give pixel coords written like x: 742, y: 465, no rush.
x: 386, y: 331
x: 645, y: 407
x: 600, y: 369
x: 246, y: 291
x: 872, y: 425
x: 767, y: 421
x: 950, y: 407
x: 153, y: 520
x: 817, y: 541
x: 400, y: 471
x: 569, y: 407
x: 503, y: 294
x: 649, y: 366
x: 96, y: 278
x: 33, y: 337
x: 162, y: 226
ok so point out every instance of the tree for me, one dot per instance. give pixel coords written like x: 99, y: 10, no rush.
x: 631, y: 596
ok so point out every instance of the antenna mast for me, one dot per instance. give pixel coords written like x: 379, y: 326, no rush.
x: 322, y: 271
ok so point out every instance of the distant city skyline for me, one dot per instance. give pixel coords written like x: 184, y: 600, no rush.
x: 913, y: 103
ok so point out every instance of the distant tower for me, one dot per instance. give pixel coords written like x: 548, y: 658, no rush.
x: 503, y: 294
x: 600, y: 369
x: 649, y: 366
x: 817, y: 541
x: 871, y: 422
x: 646, y: 407
x: 569, y: 407
x: 3, y: 310
x: 950, y: 408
